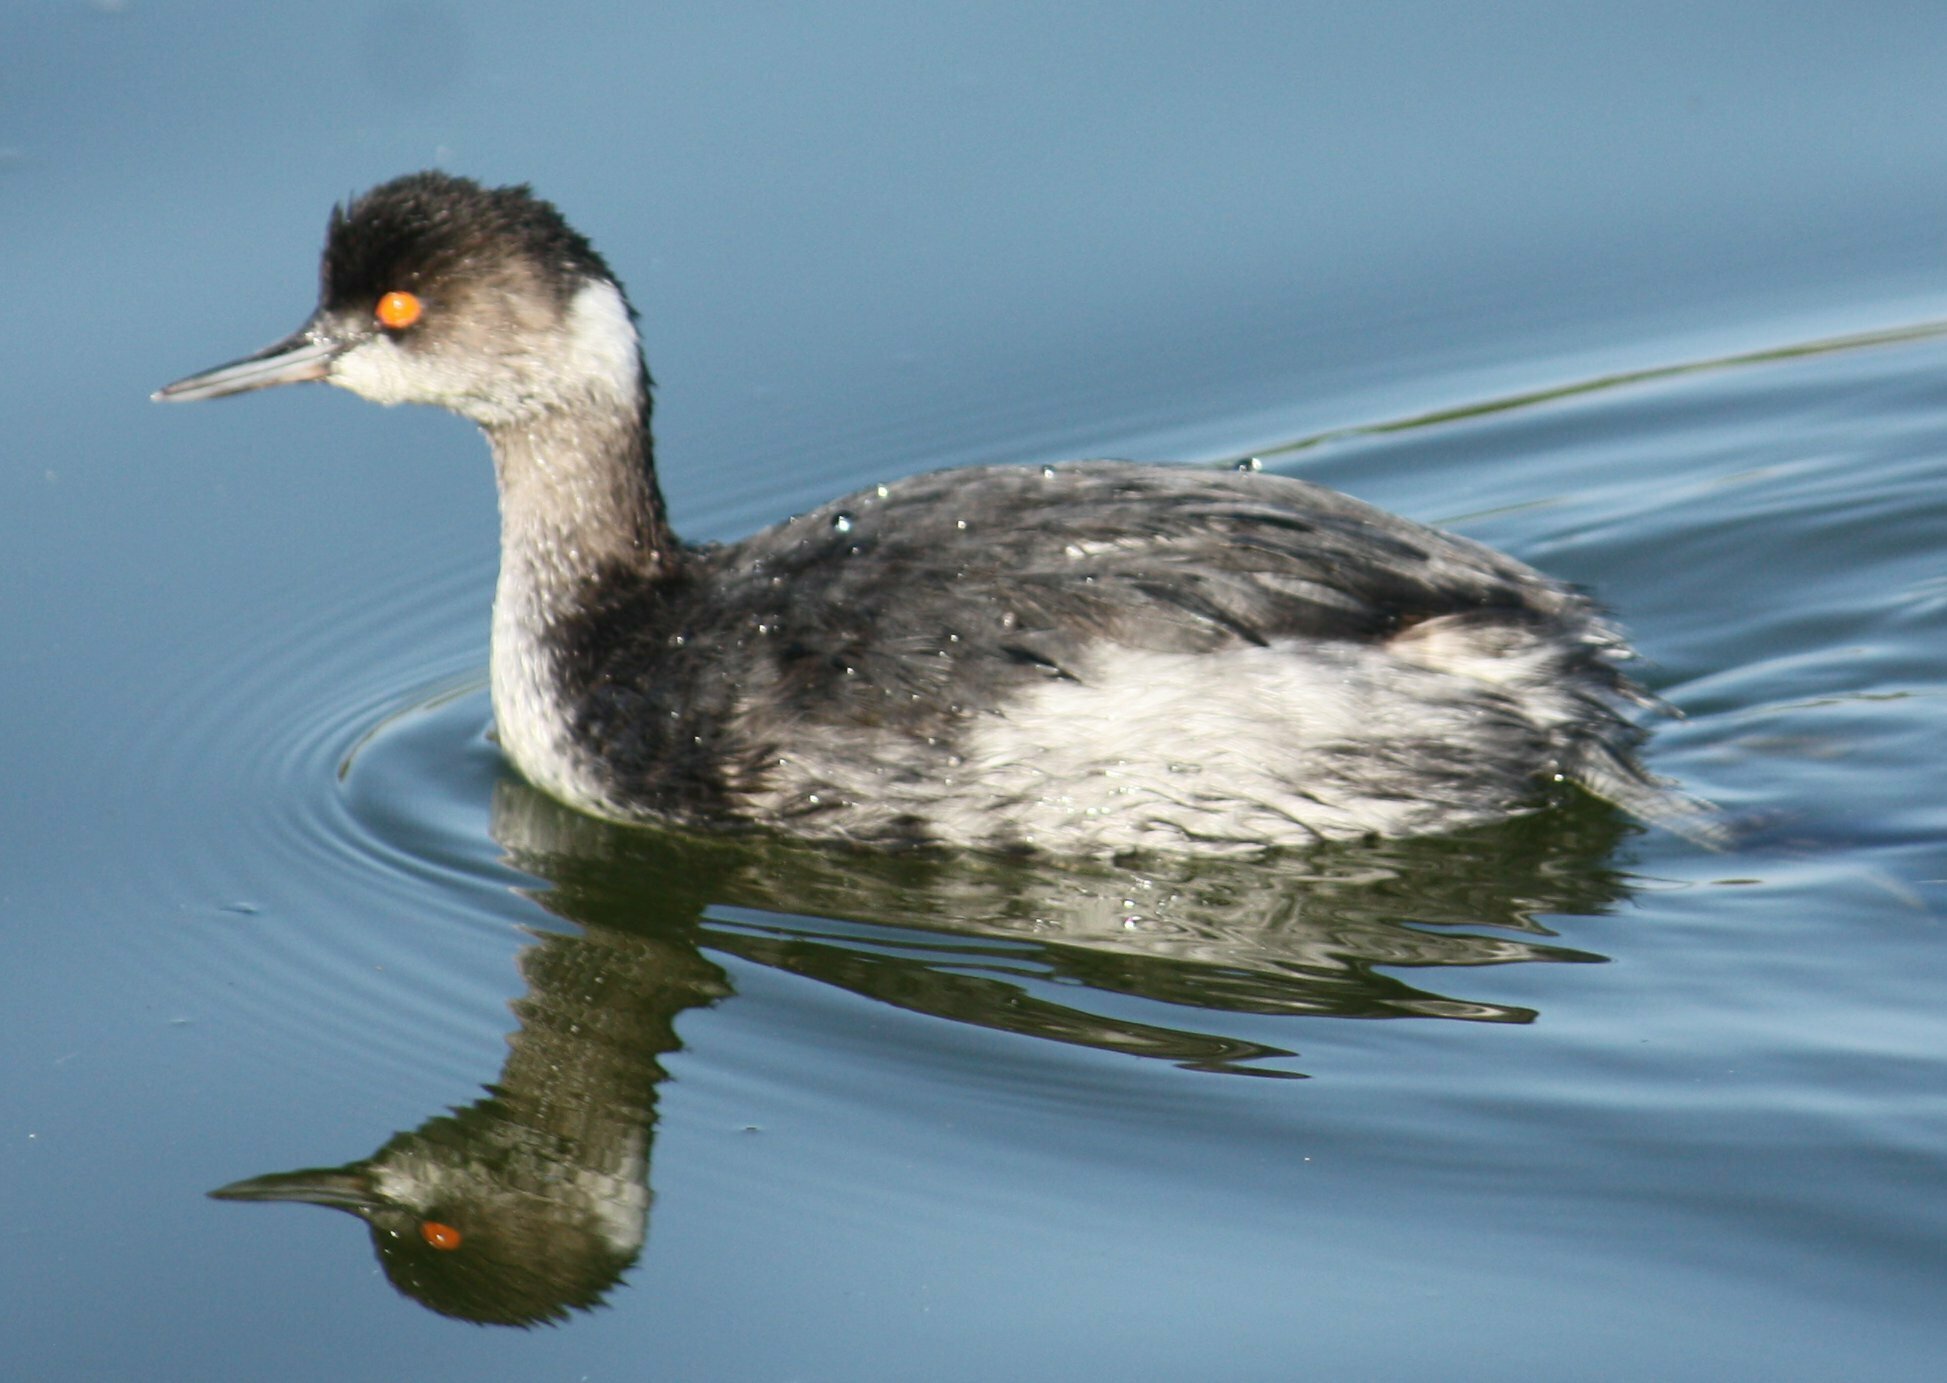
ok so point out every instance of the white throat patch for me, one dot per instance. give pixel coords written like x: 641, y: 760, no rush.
x: 602, y: 346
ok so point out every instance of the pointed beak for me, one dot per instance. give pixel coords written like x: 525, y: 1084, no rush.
x: 305, y: 354
x: 341, y: 1188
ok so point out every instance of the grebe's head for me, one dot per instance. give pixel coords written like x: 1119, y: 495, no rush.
x: 434, y: 289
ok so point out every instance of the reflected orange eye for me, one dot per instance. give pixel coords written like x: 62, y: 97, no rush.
x: 399, y: 310
x: 432, y: 1231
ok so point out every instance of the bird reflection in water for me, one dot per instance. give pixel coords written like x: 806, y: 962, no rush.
x: 533, y: 1202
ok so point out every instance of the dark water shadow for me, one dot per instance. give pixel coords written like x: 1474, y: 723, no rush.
x: 534, y: 1200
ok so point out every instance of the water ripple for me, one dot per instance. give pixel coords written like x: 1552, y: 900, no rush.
x: 324, y: 928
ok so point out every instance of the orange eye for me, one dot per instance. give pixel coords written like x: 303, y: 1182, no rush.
x: 432, y: 1231
x: 399, y: 310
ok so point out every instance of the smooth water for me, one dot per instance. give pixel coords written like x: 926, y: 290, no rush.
x: 1648, y: 297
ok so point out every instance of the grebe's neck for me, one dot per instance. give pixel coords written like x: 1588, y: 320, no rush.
x: 580, y: 514
x: 578, y: 497
x: 575, y: 463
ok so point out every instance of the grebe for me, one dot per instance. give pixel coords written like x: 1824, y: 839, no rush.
x: 1092, y: 657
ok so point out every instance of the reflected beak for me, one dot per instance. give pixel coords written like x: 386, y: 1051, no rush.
x: 341, y: 1188
x: 304, y: 355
